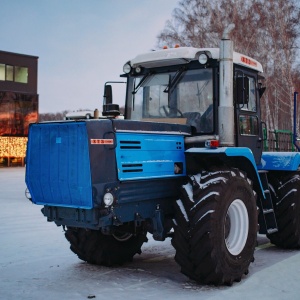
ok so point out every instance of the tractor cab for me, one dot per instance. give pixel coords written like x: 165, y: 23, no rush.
x: 182, y: 86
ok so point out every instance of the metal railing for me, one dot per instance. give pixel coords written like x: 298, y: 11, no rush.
x: 279, y: 140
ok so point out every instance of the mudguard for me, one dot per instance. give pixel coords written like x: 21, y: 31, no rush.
x: 239, y: 157
x: 280, y: 161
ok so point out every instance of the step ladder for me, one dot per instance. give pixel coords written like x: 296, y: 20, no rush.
x: 267, y: 218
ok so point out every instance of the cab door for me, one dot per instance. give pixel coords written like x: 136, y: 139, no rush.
x: 248, y: 124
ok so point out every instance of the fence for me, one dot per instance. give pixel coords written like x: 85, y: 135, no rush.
x: 278, y: 140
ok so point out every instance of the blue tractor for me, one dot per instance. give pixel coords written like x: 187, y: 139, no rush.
x: 186, y: 162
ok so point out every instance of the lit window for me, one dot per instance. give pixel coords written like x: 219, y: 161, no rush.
x: 9, y: 73
x: 2, y: 72
x: 21, y: 74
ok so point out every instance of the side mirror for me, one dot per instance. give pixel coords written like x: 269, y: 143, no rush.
x: 242, y: 90
x: 110, y: 109
x: 107, y: 98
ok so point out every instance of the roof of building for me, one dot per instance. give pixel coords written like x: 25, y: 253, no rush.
x: 17, y: 54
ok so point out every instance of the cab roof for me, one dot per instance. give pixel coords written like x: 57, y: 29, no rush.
x: 183, y: 55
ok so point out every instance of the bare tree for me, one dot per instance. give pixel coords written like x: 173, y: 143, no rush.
x: 266, y: 30
x: 282, y: 54
x: 53, y: 116
x: 185, y: 28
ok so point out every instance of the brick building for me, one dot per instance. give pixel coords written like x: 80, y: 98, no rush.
x: 18, y: 104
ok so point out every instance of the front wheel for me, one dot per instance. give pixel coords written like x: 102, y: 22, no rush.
x: 94, y: 247
x: 216, y: 227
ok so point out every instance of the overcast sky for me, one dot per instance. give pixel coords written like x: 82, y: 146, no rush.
x: 81, y: 44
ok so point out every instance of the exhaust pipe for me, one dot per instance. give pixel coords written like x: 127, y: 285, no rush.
x: 226, y: 108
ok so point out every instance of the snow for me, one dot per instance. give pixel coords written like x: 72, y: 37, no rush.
x: 211, y: 181
x: 208, y: 212
x: 280, y: 160
x: 36, y: 263
x: 287, y: 194
x: 198, y: 177
x: 189, y: 190
x: 291, y: 180
x: 154, y: 132
x: 263, y: 163
x: 207, y: 196
x: 182, y: 209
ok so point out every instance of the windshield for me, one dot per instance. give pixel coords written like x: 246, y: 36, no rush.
x: 183, y: 97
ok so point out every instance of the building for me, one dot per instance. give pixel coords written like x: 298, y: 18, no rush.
x: 18, y: 104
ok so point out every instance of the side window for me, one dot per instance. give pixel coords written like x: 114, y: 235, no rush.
x: 245, y: 92
x: 248, y: 125
x: 251, y: 105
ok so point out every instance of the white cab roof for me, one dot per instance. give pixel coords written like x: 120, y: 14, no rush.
x: 183, y: 55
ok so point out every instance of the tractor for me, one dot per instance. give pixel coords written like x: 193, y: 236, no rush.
x: 185, y: 162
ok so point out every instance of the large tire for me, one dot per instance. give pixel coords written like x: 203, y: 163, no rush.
x: 107, y: 250
x: 215, y: 227
x: 285, y: 191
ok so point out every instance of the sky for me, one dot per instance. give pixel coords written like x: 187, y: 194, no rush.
x: 81, y: 44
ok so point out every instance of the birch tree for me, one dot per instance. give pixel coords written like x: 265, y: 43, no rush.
x: 266, y: 30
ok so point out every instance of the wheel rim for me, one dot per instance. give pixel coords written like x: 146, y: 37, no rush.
x: 236, y: 227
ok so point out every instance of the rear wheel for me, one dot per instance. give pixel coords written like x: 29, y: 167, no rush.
x: 94, y: 247
x: 216, y: 227
x: 285, y: 191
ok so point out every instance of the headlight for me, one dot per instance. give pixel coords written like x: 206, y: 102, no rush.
x: 108, y: 199
x: 203, y: 59
x: 127, y: 68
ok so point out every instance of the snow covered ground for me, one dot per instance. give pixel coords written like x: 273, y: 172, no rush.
x: 36, y: 263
